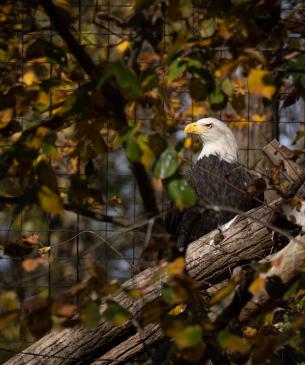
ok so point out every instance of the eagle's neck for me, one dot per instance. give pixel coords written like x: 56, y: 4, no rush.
x: 225, y: 148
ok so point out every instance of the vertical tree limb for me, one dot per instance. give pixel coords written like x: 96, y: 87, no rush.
x: 112, y: 95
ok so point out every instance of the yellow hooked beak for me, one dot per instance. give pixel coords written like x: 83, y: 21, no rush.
x: 194, y: 128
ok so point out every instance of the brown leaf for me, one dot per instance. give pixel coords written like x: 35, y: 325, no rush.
x: 66, y: 310
x: 37, y: 315
x: 30, y: 240
x: 77, y: 288
x: 30, y: 265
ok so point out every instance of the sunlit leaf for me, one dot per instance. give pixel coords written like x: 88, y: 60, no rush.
x: 177, y: 310
x: 208, y: 28
x: 176, y: 267
x: 133, y: 150
x: 176, y: 69
x: 5, y: 117
x: 49, y: 200
x: 166, y: 165
x: 260, y: 84
x: 189, y: 336
x: 42, y: 251
x: 222, y: 293
x: 148, y: 156
x: 232, y: 342
x: 258, y: 118
x: 181, y: 193
x: 116, y: 314
x: 123, y: 47
x: 257, y: 285
x: 227, y: 87
x: 30, y: 78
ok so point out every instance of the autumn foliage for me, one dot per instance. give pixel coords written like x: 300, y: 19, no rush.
x: 89, y: 91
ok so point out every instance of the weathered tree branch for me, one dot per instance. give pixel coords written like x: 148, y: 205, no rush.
x: 208, y: 262
x: 101, y: 217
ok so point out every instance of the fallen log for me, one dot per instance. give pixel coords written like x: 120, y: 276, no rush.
x: 209, y: 260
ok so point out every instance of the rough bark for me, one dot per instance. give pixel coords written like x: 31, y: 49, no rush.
x: 208, y: 262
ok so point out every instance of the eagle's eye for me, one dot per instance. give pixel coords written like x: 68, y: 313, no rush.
x: 210, y: 125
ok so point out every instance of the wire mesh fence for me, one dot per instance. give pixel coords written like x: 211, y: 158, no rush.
x: 75, y: 240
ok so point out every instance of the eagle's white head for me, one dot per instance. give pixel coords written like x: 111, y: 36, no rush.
x: 216, y: 137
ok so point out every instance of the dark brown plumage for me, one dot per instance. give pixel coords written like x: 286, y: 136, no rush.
x: 216, y: 183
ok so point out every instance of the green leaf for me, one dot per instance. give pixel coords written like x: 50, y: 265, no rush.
x: 217, y: 98
x: 125, y: 77
x: 116, y: 314
x: 299, y: 135
x: 133, y: 150
x: 42, y: 48
x: 143, y: 4
x: 173, y: 294
x: 199, y: 88
x: 181, y: 193
x: 190, y: 336
x: 166, y: 165
x: 90, y: 315
x: 227, y: 87
x: 208, y: 28
x: 233, y: 343
x: 176, y: 69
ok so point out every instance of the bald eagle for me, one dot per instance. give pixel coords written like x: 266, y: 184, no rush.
x: 217, y: 178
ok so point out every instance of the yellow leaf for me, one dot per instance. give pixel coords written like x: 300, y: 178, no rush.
x: 5, y: 117
x: 177, y: 310
x: 222, y: 293
x: 257, y: 284
x: 147, y: 157
x: 176, y: 267
x: 44, y: 250
x: 258, y: 118
x: 122, y: 47
x: 30, y: 78
x: 259, y: 85
x: 49, y: 200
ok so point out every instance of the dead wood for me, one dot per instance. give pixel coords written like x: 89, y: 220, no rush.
x: 209, y: 260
